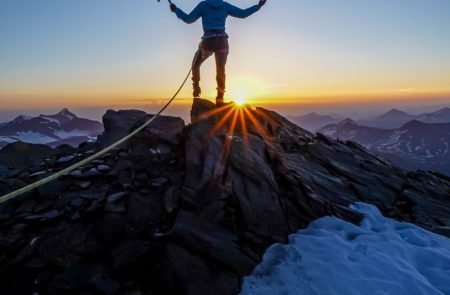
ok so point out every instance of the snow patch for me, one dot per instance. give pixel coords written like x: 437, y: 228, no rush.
x: 394, y: 138
x: 334, y: 257
x: 73, y: 133
x: 32, y: 137
x: 52, y: 120
x: 408, y: 146
x: 67, y: 114
x: 7, y: 139
x: 23, y: 118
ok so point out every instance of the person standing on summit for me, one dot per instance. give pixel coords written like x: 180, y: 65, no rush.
x: 215, y: 40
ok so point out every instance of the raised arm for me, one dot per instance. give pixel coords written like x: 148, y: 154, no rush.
x: 191, y: 17
x: 241, y: 13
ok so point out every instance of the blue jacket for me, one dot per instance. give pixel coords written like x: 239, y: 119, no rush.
x: 214, y: 14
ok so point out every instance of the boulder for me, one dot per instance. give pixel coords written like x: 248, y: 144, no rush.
x: 118, y: 124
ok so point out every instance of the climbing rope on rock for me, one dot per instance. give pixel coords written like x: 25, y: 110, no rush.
x: 71, y: 168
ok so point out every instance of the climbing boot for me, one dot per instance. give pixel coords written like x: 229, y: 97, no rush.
x: 219, y: 97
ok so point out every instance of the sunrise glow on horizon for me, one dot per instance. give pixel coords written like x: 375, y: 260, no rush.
x: 130, y: 53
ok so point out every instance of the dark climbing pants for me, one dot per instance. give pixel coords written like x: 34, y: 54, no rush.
x: 218, y: 47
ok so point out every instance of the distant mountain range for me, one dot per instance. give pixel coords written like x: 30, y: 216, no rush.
x: 389, y: 120
x: 415, y: 145
x: 314, y: 121
x: 52, y: 130
x: 396, y: 118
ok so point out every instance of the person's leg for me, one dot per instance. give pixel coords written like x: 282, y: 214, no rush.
x: 221, y: 54
x: 221, y: 61
x: 200, y: 56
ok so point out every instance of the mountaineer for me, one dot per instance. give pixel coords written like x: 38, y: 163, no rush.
x: 215, y: 40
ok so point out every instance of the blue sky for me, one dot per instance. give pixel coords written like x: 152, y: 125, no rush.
x: 55, y: 51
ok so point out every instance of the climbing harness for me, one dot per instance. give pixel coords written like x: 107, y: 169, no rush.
x: 69, y: 169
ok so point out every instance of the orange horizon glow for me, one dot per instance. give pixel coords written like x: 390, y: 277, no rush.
x: 239, y: 88
x: 28, y: 100
x: 135, y: 56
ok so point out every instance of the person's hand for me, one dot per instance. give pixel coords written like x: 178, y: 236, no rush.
x: 261, y: 3
x: 173, y: 7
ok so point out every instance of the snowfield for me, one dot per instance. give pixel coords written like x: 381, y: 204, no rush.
x: 73, y: 133
x: 334, y: 257
x: 50, y: 120
x: 32, y: 137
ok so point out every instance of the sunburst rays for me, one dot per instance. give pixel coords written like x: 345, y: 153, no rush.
x: 237, y: 122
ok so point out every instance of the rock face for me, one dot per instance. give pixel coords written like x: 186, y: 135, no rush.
x: 190, y: 210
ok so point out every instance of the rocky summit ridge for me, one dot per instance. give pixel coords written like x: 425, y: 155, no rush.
x: 191, y: 209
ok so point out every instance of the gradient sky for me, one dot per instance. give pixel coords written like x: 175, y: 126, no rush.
x: 128, y: 53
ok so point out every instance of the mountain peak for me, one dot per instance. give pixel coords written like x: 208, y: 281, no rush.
x: 347, y: 121
x: 415, y: 124
x: 395, y: 115
x: 313, y: 114
x: 211, y: 197
x: 66, y: 113
x: 396, y: 112
x: 314, y: 121
x: 21, y: 118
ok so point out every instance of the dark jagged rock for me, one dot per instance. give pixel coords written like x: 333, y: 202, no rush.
x: 21, y: 153
x: 191, y: 210
x: 211, y: 240
x: 24, y: 160
x: 119, y: 124
x: 181, y: 271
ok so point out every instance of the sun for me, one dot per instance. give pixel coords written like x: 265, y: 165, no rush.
x: 243, y: 90
x: 240, y: 101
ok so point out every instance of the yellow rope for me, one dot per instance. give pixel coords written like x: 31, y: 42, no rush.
x: 69, y: 169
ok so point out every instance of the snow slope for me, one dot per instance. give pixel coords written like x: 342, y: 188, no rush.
x: 334, y: 257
